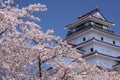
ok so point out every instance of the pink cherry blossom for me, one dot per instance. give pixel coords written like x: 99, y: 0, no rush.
x: 21, y: 51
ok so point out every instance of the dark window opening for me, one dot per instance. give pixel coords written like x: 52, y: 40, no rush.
x: 91, y: 49
x: 84, y: 39
x: 87, y: 24
x: 101, y: 38
x: 113, y: 42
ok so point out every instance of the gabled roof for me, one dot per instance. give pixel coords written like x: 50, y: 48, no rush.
x: 105, y: 68
x: 117, y: 65
x: 118, y: 57
x: 73, y: 45
x: 94, y: 15
x: 94, y: 12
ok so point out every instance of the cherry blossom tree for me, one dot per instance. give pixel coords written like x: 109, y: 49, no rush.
x: 23, y: 45
x: 28, y: 44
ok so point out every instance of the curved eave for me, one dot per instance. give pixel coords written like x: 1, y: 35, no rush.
x: 100, y: 55
x: 89, y: 18
x: 107, y: 23
x: 116, y: 66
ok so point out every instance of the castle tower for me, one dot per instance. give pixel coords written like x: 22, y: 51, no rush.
x: 90, y: 34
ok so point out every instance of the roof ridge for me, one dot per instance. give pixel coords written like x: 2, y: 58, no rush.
x: 90, y: 13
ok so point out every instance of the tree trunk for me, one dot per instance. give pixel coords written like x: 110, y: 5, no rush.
x: 39, y: 66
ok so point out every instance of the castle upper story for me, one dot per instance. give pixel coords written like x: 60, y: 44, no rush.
x: 91, y: 19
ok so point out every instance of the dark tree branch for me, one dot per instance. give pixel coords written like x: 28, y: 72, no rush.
x: 3, y: 31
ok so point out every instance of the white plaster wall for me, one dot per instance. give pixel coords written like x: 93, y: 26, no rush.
x: 96, y: 60
x: 108, y: 62
x: 106, y: 38
x: 92, y: 60
x: 101, y: 49
x: 90, y: 34
x: 79, y: 39
x: 107, y: 50
x: 87, y: 49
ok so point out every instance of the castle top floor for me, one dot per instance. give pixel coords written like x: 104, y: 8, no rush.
x: 93, y: 18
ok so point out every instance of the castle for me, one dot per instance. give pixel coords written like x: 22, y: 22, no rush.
x: 90, y: 34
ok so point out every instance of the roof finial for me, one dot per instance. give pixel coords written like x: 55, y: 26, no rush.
x: 80, y: 15
x: 96, y: 6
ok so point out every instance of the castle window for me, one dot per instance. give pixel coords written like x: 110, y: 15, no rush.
x: 91, y: 49
x: 104, y: 27
x: 101, y: 38
x: 92, y: 23
x: 84, y: 39
x: 87, y: 24
x: 113, y: 42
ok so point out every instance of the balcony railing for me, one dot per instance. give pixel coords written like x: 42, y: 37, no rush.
x: 85, y: 27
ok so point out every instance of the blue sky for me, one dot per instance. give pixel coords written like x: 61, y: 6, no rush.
x: 63, y: 12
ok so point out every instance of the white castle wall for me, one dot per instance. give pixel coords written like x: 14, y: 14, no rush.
x: 107, y: 50
x: 98, y: 60
x: 97, y: 35
x: 97, y: 46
